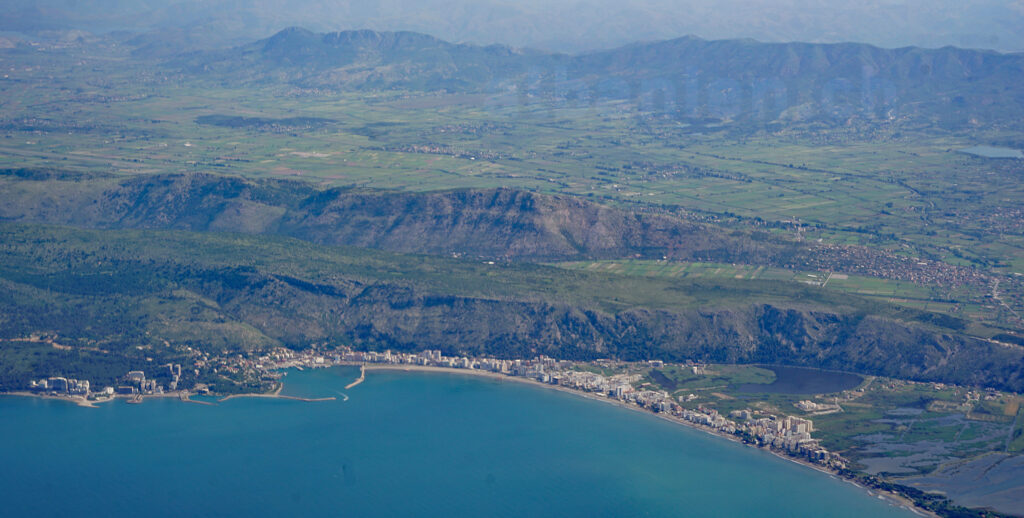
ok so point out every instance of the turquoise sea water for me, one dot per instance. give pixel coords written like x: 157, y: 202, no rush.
x: 404, y: 444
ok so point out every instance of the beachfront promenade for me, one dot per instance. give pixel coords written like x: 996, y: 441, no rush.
x: 788, y: 435
x: 619, y: 383
x: 627, y: 384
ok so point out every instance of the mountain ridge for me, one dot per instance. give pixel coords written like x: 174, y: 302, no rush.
x: 729, y: 79
x: 498, y: 223
x: 232, y: 292
x: 493, y: 224
x: 569, y: 26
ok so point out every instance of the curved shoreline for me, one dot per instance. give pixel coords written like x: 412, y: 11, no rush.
x: 893, y: 498
x: 78, y: 400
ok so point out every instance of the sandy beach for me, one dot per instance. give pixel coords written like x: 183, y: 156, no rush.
x: 893, y: 498
x: 274, y: 394
x: 78, y: 400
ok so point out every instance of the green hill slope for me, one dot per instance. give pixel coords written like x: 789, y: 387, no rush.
x: 155, y: 291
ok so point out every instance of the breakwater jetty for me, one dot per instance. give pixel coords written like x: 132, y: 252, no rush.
x: 360, y: 379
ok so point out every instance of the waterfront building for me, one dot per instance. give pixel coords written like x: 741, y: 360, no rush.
x: 57, y: 384
x: 78, y: 387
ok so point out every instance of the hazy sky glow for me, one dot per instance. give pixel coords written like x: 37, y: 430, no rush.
x: 566, y: 25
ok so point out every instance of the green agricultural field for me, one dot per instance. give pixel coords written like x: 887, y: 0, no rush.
x: 961, y: 302
x: 886, y: 186
x: 1016, y: 439
x: 880, y: 419
x: 712, y: 378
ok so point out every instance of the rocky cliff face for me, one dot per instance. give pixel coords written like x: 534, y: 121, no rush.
x: 403, y: 318
x: 118, y: 289
x: 494, y: 223
x: 503, y: 223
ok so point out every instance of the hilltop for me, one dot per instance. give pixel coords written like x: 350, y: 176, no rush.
x: 496, y: 223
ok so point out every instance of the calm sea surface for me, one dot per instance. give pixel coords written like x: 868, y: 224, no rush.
x: 404, y: 444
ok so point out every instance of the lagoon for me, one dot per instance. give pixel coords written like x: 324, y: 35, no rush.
x: 803, y: 380
x: 403, y: 444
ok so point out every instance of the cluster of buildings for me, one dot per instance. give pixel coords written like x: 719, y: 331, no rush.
x: 788, y: 434
x: 817, y: 408
x: 887, y: 265
x: 61, y: 386
x: 792, y: 435
x: 619, y: 386
x: 539, y: 368
x: 440, y: 149
x: 133, y: 383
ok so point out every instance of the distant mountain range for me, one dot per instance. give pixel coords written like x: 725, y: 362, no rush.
x: 579, y: 25
x: 728, y: 79
x: 368, y: 59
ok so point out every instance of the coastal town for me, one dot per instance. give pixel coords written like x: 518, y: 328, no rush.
x: 785, y: 434
x: 707, y: 397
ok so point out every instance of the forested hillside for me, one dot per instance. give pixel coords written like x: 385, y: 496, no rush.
x: 153, y: 293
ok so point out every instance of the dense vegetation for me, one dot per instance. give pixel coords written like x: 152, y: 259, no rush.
x: 492, y: 223
x: 224, y: 293
x: 549, y: 179
x: 722, y: 201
